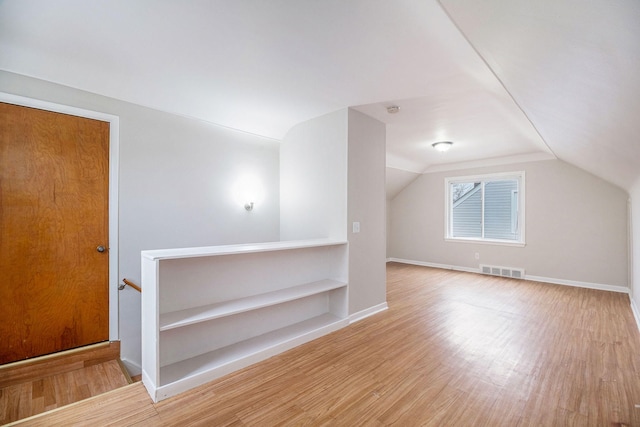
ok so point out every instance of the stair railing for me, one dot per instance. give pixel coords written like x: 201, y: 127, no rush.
x: 129, y: 283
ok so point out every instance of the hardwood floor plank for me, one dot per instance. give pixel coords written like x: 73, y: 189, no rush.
x: 125, y: 406
x: 57, y: 363
x: 19, y: 401
x: 453, y: 349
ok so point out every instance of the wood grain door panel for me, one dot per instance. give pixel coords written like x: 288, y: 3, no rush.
x: 54, y: 178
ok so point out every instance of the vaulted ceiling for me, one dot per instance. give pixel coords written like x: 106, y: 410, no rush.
x: 504, y: 80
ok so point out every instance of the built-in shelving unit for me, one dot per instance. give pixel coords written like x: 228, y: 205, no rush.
x: 209, y: 311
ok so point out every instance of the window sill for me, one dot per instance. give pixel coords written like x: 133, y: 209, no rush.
x: 486, y: 242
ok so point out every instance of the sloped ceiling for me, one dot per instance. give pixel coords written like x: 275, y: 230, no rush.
x: 505, y: 81
x: 573, y: 67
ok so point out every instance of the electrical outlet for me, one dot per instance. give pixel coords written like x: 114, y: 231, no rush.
x: 477, y: 255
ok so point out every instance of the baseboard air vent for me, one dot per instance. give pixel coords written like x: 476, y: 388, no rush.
x: 494, y: 270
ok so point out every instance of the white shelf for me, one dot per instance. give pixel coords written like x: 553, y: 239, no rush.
x: 194, y: 315
x: 160, y: 254
x: 200, y: 307
x: 209, y: 362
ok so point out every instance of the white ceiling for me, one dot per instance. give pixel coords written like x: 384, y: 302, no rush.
x: 506, y: 81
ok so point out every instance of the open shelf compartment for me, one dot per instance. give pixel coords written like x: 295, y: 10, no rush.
x: 190, y: 316
x: 196, y: 299
x: 215, y: 360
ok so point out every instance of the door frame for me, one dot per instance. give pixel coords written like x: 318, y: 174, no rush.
x: 114, y: 141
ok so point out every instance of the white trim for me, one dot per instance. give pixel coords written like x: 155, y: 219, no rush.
x: 513, y: 175
x: 485, y: 241
x: 630, y: 272
x: 575, y: 283
x: 496, y: 161
x: 636, y: 312
x: 132, y: 367
x: 243, y: 248
x: 579, y: 284
x: 355, y: 317
x: 114, y: 143
x: 434, y: 265
x: 395, y: 162
x: 159, y: 392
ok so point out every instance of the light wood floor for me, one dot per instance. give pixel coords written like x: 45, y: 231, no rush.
x: 29, y: 398
x: 454, y: 349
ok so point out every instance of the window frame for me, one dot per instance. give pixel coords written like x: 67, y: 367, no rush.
x: 520, y: 218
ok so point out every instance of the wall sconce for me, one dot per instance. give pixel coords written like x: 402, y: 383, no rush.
x: 248, y: 191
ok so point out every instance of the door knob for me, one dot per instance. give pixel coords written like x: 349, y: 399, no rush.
x: 100, y: 248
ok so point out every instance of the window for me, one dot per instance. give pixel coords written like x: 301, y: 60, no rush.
x: 486, y: 208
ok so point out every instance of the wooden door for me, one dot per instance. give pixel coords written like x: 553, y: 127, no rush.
x: 54, y: 181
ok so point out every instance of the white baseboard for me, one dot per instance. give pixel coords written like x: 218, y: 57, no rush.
x: 578, y: 284
x: 434, y: 265
x: 132, y: 367
x: 368, y: 312
x: 636, y: 312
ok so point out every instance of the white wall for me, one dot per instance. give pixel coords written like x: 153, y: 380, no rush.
x: 313, y: 179
x: 366, y: 205
x: 635, y: 248
x: 332, y: 173
x: 576, y: 226
x: 175, y: 189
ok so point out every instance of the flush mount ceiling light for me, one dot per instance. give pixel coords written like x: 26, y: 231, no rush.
x: 393, y: 109
x: 442, y: 145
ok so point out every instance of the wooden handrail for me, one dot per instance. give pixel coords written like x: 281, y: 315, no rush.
x: 129, y: 283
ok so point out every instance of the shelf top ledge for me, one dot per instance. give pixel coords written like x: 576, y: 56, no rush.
x: 160, y: 254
